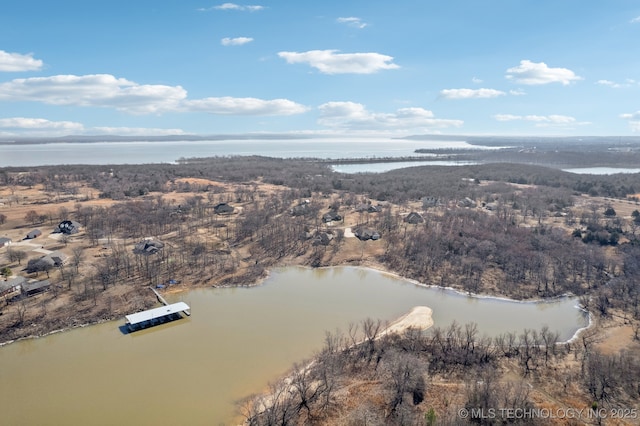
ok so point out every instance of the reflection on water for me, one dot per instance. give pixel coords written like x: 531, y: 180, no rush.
x: 191, y: 371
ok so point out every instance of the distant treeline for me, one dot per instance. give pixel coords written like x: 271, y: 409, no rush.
x: 575, y: 156
x: 413, y: 183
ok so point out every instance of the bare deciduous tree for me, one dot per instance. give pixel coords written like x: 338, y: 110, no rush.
x: 16, y: 255
x: 32, y: 217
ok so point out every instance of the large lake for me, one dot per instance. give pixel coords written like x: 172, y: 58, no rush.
x: 169, y: 152
x: 601, y: 170
x: 192, y: 370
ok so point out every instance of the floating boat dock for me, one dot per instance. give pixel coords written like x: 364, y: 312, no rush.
x: 156, y: 316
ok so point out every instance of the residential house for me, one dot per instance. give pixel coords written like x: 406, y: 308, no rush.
x: 322, y: 238
x: 223, y: 208
x: 43, y: 263
x: 414, y: 218
x: 365, y: 234
x: 69, y: 227
x: 35, y: 287
x: 12, y: 286
x: 490, y: 206
x: 331, y: 216
x: 148, y: 247
x: 466, y: 202
x: 368, y: 208
x: 430, y: 202
x: 301, y: 209
x: 58, y: 258
x: 34, y: 234
x: 47, y: 262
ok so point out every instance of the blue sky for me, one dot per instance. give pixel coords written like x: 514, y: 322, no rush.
x: 472, y: 67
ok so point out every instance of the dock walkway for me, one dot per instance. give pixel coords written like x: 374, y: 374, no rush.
x: 160, y: 298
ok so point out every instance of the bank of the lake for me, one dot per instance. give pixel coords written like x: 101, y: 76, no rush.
x: 235, y: 342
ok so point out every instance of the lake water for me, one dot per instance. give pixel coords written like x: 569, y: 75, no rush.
x: 192, y: 370
x: 169, y: 152
x: 385, y: 167
x: 601, y: 170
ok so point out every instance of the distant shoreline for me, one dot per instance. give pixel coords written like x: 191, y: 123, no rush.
x: 470, y: 139
x: 167, y: 138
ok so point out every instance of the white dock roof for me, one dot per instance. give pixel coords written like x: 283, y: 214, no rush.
x: 156, y: 313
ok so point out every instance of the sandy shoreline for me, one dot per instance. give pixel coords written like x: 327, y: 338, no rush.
x: 419, y: 317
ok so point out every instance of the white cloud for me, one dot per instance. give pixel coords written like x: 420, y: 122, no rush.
x: 632, y: 116
x: 354, y: 116
x: 634, y: 120
x: 558, y: 119
x: 38, y: 127
x: 476, y: 80
x: 331, y: 62
x: 24, y: 123
x: 627, y: 83
x: 233, y: 6
x: 244, y: 106
x: 236, y: 41
x: 352, y: 21
x: 470, y: 93
x: 635, y: 20
x: 24, y: 126
x: 533, y: 73
x: 15, y: 62
x: 607, y: 83
x: 507, y: 117
x: 517, y: 92
x: 536, y: 118
x: 99, y: 90
x: 134, y: 131
x: 104, y: 90
x: 553, y: 120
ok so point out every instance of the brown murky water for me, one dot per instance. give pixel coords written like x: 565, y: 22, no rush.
x: 192, y: 370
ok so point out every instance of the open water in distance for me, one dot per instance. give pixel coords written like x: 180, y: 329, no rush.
x: 192, y: 370
x: 602, y: 170
x: 385, y: 167
x: 169, y: 152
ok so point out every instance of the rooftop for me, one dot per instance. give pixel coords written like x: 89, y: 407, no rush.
x: 155, y: 313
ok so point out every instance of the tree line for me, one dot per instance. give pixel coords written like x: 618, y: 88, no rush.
x: 126, y: 181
